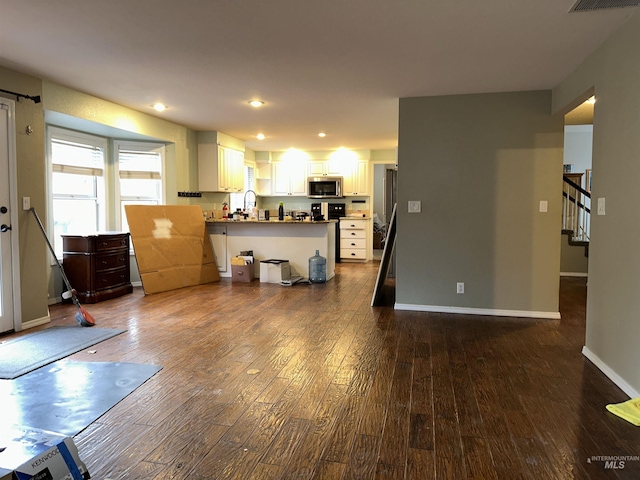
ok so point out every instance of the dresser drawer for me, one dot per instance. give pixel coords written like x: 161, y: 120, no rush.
x: 352, y: 234
x: 350, y: 224
x: 351, y: 243
x: 111, y: 279
x: 356, y: 253
x: 111, y: 242
x: 108, y: 261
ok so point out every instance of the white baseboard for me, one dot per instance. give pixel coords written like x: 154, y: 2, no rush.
x: 36, y: 322
x: 136, y: 284
x: 54, y: 300
x: 574, y: 274
x: 613, y: 376
x: 478, y: 311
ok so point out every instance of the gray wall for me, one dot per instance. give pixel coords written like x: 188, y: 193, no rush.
x: 613, y: 303
x: 480, y: 164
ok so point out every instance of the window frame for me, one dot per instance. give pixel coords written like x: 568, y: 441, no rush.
x: 142, y: 147
x: 102, y: 189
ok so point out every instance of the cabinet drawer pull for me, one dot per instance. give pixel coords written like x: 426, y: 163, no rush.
x: 104, y: 262
x: 353, y: 254
x: 353, y: 244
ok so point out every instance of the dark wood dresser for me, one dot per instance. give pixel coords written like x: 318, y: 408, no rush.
x: 97, y: 265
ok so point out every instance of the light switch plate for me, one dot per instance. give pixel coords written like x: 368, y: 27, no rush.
x: 415, y: 206
x: 544, y: 206
x: 601, y: 210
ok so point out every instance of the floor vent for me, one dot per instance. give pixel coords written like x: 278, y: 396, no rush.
x: 590, y: 5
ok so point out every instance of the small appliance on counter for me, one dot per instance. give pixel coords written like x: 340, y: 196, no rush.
x: 336, y: 212
x: 263, y: 214
x: 319, y: 211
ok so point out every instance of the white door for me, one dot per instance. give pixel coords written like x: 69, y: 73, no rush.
x: 6, y: 251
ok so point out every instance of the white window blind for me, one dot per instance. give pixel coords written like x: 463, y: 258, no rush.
x: 77, y: 166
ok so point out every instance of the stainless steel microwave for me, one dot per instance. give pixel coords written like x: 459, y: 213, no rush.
x: 324, y: 187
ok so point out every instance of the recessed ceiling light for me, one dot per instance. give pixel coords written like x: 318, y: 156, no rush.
x: 159, y: 107
x: 256, y: 103
x: 322, y: 134
x: 260, y: 136
x: 592, y: 100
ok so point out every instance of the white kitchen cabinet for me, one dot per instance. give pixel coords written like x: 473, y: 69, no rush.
x: 220, y: 169
x: 355, y: 239
x: 289, y: 178
x: 218, y: 237
x: 356, y: 179
x: 325, y: 168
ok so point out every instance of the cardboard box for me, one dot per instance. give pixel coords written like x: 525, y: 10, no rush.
x: 242, y: 273
x: 274, y: 271
x: 172, y: 247
x: 34, y: 454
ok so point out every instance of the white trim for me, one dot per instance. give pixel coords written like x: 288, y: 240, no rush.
x: 613, y: 376
x: 36, y: 322
x: 574, y: 274
x: 136, y: 284
x: 14, y: 215
x: 478, y: 311
x: 54, y: 300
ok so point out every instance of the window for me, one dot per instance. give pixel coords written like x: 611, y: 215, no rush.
x: 236, y: 200
x: 90, y: 183
x: 139, y: 171
x: 77, y: 183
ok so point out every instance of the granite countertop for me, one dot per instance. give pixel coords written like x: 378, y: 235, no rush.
x: 270, y: 222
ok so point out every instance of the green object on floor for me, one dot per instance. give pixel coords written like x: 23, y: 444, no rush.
x: 629, y: 410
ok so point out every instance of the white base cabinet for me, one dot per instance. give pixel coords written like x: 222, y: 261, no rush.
x: 355, y: 239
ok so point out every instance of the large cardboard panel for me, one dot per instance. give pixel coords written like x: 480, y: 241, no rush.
x: 172, y: 247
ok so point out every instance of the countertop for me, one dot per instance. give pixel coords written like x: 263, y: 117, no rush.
x: 268, y: 222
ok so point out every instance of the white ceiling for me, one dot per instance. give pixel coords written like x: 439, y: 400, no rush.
x: 333, y: 65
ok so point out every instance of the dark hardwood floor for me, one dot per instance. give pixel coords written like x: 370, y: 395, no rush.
x: 309, y: 382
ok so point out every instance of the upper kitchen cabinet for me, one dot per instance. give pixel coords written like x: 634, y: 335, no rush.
x: 356, y: 179
x: 322, y: 168
x: 220, y: 167
x: 289, y: 178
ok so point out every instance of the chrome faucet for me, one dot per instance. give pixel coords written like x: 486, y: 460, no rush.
x: 255, y: 203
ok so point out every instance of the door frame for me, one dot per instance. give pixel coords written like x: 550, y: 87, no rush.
x: 13, y: 211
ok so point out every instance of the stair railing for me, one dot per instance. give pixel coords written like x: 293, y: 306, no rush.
x: 576, y: 210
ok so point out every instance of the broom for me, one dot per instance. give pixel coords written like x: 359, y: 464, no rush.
x: 83, y: 317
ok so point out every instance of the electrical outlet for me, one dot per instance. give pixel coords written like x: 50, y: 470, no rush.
x: 460, y: 287
x: 26, y: 203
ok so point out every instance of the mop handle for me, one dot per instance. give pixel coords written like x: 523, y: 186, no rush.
x: 53, y: 252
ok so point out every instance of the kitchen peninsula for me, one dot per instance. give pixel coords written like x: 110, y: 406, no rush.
x: 294, y: 241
